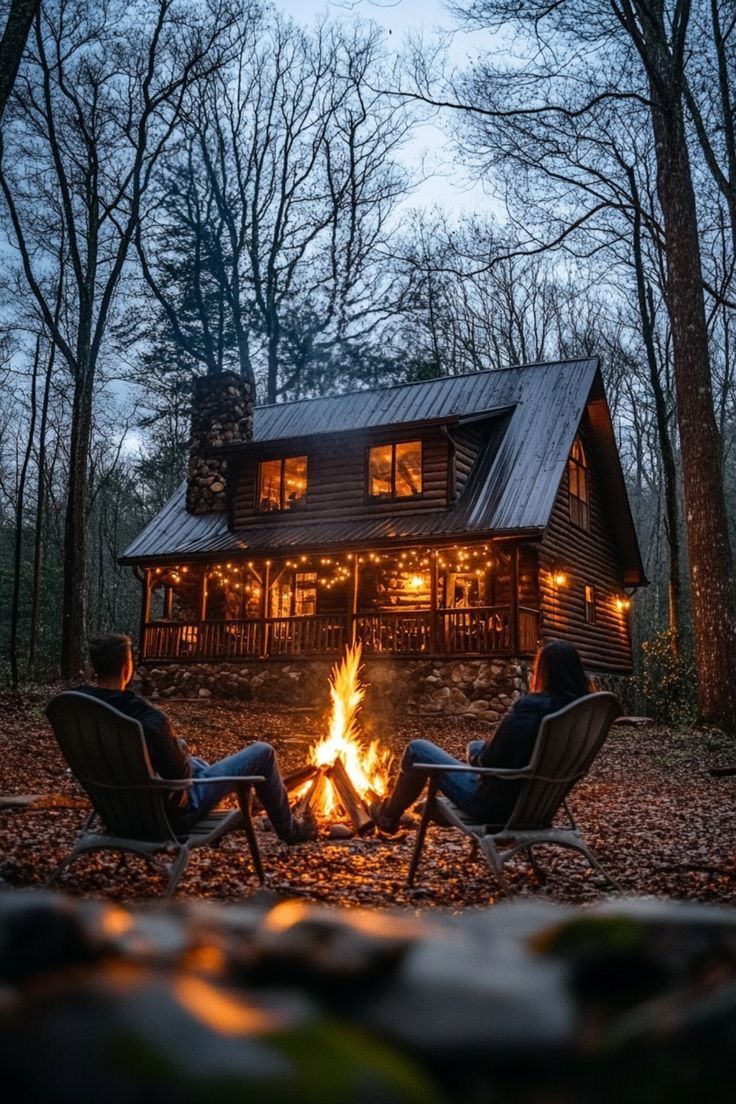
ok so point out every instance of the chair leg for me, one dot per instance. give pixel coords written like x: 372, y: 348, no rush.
x: 245, y: 798
x: 585, y: 850
x: 539, y: 873
x: 65, y: 862
x: 422, y: 831
x: 495, y: 862
x: 177, y: 869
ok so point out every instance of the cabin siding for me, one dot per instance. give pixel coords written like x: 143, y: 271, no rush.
x: 337, y: 478
x: 585, y: 557
x: 467, y: 442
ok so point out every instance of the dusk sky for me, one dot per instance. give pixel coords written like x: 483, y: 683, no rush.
x: 431, y: 153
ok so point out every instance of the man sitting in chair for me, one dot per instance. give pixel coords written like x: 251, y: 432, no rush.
x: 557, y: 681
x: 112, y: 659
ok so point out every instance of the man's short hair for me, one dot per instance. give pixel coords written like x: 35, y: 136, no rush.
x: 108, y: 653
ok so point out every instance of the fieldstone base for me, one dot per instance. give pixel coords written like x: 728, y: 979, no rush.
x: 480, y: 688
x: 620, y: 685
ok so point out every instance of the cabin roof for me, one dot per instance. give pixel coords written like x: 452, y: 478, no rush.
x: 530, y: 413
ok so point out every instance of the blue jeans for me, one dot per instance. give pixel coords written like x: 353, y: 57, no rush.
x: 259, y: 758
x: 462, y: 788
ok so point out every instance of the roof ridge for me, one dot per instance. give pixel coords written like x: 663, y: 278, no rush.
x: 421, y: 383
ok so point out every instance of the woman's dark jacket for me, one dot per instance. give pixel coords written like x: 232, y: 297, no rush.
x: 511, y: 747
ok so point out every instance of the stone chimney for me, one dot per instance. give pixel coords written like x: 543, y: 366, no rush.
x: 222, y: 414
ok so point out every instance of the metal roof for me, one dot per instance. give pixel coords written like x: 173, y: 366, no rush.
x: 512, y: 488
x: 407, y: 403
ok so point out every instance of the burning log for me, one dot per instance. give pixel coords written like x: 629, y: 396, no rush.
x: 297, y: 778
x: 349, y: 796
x: 313, y: 796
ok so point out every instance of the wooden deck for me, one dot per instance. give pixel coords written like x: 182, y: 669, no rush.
x: 476, y: 631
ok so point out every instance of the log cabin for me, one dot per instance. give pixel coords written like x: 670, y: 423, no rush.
x: 459, y: 520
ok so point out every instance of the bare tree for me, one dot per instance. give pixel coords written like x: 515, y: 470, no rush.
x: 562, y: 100
x: 94, y: 107
x: 280, y: 194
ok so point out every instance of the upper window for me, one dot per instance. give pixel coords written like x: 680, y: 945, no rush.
x: 282, y: 484
x: 577, y: 479
x: 395, y: 471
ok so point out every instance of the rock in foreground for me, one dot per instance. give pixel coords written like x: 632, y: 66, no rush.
x: 282, y: 1000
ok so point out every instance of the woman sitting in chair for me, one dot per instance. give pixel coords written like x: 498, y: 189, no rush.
x: 558, y: 680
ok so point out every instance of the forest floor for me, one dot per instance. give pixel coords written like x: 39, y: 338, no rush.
x: 656, y: 816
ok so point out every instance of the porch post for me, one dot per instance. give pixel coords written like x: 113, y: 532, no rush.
x: 514, y: 627
x: 353, y: 627
x: 202, y: 609
x: 433, y: 597
x: 265, y: 603
x: 145, y: 612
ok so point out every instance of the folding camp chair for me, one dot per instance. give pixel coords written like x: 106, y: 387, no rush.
x: 566, y: 745
x: 107, y: 753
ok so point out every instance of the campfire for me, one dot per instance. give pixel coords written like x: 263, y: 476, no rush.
x: 345, y: 772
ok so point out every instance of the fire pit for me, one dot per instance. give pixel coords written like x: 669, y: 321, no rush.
x: 345, y: 773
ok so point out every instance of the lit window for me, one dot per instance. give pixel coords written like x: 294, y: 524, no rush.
x: 577, y: 478
x: 305, y: 594
x: 590, y: 604
x: 282, y: 484
x: 395, y: 471
x: 295, y: 595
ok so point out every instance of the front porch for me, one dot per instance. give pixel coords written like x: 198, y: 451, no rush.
x: 459, y: 601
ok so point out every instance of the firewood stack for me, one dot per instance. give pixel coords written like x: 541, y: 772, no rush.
x: 317, y: 777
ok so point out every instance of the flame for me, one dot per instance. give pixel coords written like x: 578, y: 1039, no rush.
x: 367, y: 765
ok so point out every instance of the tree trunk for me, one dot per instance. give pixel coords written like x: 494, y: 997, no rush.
x: 272, y: 381
x: 12, y: 45
x: 75, y: 542
x: 40, y: 509
x: 18, y: 549
x: 711, y: 571
x: 669, y: 468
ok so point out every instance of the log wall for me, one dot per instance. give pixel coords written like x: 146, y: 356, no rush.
x: 467, y: 442
x: 585, y: 557
x: 337, y: 478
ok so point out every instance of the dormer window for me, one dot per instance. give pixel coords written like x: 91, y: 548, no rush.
x: 578, y: 489
x: 395, y: 471
x: 282, y: 484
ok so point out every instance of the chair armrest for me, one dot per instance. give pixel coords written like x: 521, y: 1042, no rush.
x: 227, y: 778
x: 173, y: 783
x: 494, y: 772
x: 468, y: 768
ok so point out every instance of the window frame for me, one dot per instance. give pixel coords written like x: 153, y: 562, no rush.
x: 578, y: 505
x: 282, y: 508
x: 393, y: 445
x: 590, y: 604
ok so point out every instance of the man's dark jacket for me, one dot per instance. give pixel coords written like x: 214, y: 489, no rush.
x: 168, y: 756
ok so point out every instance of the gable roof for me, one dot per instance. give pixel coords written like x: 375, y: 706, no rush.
x: 531, y: 414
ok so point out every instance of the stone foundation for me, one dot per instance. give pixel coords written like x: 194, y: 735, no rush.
x: 480, y: 688
x: 620, y: 685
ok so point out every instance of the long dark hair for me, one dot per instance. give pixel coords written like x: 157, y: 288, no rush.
x: 558, y: 671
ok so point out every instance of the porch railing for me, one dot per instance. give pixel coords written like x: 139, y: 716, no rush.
x: 289, y: 636
x: 478, y: 630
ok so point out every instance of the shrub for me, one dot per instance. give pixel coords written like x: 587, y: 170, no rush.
x: 667, y: 681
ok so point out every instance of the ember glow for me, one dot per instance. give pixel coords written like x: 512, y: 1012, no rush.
x: 367, y: 764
